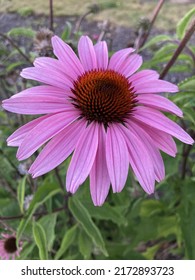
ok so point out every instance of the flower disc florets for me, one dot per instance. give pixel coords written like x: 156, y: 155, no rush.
x: 104, y: 96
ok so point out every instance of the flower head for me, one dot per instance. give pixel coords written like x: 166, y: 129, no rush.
x: 8, y: 247
x: 103, y: 111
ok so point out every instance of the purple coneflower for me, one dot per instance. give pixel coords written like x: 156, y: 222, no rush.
x: 8, y: 247
x: 103, y: 111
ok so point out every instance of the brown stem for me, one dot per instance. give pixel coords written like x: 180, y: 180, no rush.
x: 15, y: 46
x: 178, y: 50
x: 154, y: 16
x: 51, y: 15
x: 43, y: 213
x: 78, y: 23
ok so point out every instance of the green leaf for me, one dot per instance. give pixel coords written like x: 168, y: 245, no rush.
x: 188, y: 84
x: 67, y: 31
x: 67, y: 240
x: 21, y: 193
x: 83, y: 217
x: 14, y: 65
x: 22, y: 31
x: 187, y: 214
x: 106, y: 212
x: 156, y: 40
x: 48, y: 223
x: 183, y: 23
x: 85, y: 245
x: 42, y: 194
x: 40, y: 240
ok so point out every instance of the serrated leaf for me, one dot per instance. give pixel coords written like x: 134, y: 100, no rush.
x: 156, y: 40
x: 67, y: 240
x: 183, y: 23
x: 85, y: 245
x: 40, y: 240
x: 83, y: 217
x: 43, y: 193
x: 22, y: 31
x: 21, y: 193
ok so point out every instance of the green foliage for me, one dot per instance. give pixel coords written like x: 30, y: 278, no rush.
x: 184, y: 22
x: 83, y: 217
x: 130, y: 225
x: 40, y: 240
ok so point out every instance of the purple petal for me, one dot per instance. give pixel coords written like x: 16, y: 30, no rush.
x: 131, y: 65
x: 118, y: 59
x: 142, y: 76
x: 159, y: 102
x: 99, y: 178
x: 116, y: 157
x: 57, y: 65
x: 49, y: 76
x: 155, y: 86
x: 57, y: 150
x: 48, y: 91
x: 18, y: 136
x: 154, y: 153
x: 35, y: 105
x: 162, y: 140
x: 157, y: 120
x: 87, y: 53
x: 140, y: 161
x: 66, y: 55
x: 83, y: 158
x: 44, y: 131
x: 101, y: 51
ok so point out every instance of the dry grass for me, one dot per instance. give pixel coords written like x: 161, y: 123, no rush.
x: 127, y: 12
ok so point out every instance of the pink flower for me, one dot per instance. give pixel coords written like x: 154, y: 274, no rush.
x: 8, y: 248
x: 100, y: 110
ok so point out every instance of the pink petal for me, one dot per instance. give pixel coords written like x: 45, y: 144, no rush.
x: 140, y: 160
x: 131, y: 65
x: 87, y: 53
x: 118, y: 59
x: 116, y: 157
x: 57, y: 65
x: 18, y: 136
x: 44, y: 131
x: 66, y: 55
x: 154, y: 153
x: 142, y: 76
x: 83, y: 158
x: 49, y: 91
x: 162, y: 140
x: 35, y: 105
x: 99, y: 178
x: 101, y: 51
x: 57, y: 150
x: 155, y: 86
x: 157, y: 120
x: 159, y: 102
x: 49, y: 76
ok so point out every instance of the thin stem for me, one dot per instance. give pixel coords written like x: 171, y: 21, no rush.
x: 178, y: 50
x: 16, y: 47
x: 59, y: 178
x: 51, y: 14
x: 43, y: 213
x: 78, y: 23
x: 154, y: 16
x: 185, y: 155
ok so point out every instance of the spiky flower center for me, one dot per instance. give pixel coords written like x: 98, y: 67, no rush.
x: 104, y: 96
x: 10, y: 245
